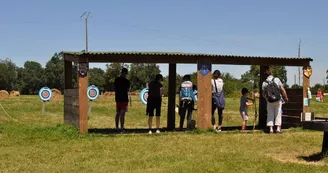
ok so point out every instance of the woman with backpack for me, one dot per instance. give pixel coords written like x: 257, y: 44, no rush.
x: 186, y: 100
x: 272, y: 91
x: 218, y: 100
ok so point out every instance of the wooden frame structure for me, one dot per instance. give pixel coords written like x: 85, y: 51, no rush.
x: 76, y: 101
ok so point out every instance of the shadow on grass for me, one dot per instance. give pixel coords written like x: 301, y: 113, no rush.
x: 314, y: 158
x: 146, y: 130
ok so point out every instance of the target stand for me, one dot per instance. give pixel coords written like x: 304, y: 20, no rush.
x: 93, y: 94
x: 45, y: 95
x: 144, y: 96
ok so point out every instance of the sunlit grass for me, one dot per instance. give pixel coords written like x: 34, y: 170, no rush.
x: 41, y: 143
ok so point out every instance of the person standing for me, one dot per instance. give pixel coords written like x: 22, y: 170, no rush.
x: 218, y: 101
x: 154, y: 102
x: 272, y: 91
x: 186, y: 99
x: 243, y: 108
x: 122, y: 87
x: 320, y: 95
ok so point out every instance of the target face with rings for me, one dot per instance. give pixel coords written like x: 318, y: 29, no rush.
x: 93, y: 92
x: 144, y: 95
x: 45, y: 94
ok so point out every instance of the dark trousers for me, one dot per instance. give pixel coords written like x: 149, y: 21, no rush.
x: 185, y: 106
x: 220, y: 114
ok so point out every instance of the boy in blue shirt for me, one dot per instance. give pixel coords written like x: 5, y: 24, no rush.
x: 244, y: 104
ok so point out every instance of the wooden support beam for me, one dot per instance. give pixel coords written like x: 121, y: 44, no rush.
x: 306, y: 85
x: 172, y: 96
x: 204, y: 106
x: 83, y: 102
x: 262, y: 102
x: 173, y: 59
x: 68, y: 74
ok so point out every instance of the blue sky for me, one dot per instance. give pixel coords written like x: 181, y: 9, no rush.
x: 36, y: 29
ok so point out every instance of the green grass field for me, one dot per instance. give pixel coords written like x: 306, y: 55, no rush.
x: 41, y: 143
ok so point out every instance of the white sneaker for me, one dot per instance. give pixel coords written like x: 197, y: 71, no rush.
x: 150, y: 132
x: 157, y: 131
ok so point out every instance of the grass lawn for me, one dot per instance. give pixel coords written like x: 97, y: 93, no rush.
x: 41, y: 143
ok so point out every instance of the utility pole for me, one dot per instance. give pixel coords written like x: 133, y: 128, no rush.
x: 299, y: 68
x: 86, y: 16
x: 294, y: 79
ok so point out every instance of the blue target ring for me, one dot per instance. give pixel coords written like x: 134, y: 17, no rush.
x: 92, y: 92
x: 144, y: 95
x: 45, y: 94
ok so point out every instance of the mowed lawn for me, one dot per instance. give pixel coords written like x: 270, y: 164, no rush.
x: 31, y: 142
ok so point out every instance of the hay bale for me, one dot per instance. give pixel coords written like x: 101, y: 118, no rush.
x: 109, y: 93
x: 55, y: 94
x: 134, y: 93
x: 14, y: 93
x: 4, y: 95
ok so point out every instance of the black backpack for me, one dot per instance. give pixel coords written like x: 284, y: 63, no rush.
x: 272, y: 91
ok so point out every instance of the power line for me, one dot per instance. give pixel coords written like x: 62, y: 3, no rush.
x: 168, y: 33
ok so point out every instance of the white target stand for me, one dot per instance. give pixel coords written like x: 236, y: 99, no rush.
x: 45, y: 95
x: 93, y: 94
x: 144, y: 96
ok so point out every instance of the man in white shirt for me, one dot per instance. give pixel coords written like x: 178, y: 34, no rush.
x: 273, y: 108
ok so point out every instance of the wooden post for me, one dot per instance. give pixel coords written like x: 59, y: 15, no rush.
x: 68, y: 85
x: 306, y: 85
x: 83, y: 99
x: 262, y: 102
x: 204, y: 106
x: 68, y: 74
x: 172, y: 95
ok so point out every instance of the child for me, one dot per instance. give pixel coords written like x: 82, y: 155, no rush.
x: 244, y: 104
x: 320, y: 95
x: 282, y: 103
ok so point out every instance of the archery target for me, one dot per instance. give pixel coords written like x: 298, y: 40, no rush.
x: 92, y: 92
x: 45, y: 94
x: 144, y: 95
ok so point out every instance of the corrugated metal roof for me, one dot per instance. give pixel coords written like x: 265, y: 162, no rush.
x: 111, y: 53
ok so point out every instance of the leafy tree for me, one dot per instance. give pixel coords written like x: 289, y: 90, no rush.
x: 295, y: 86
x: 55, y: 72
x: 233, y: 86
x: 96, y: 77
x: 141, y: 74
x: 315, y: 88
x: 113, y: 70
x: 254, y: 74
x: 19, y: 84
x: 8, y: 74
x: 32, y: 77
x: 280, y: 72
x: 327, y: 76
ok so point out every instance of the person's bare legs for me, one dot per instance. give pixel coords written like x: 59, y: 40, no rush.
x: 117, y: 118
x: 243, y: 126
x: 122, y: 118
x: 150, y: 121
x: 158, y: 121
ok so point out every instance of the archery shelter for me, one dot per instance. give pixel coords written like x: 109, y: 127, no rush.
x: 76, y: 100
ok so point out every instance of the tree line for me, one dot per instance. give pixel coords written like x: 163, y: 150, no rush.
x: 32, y: 76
